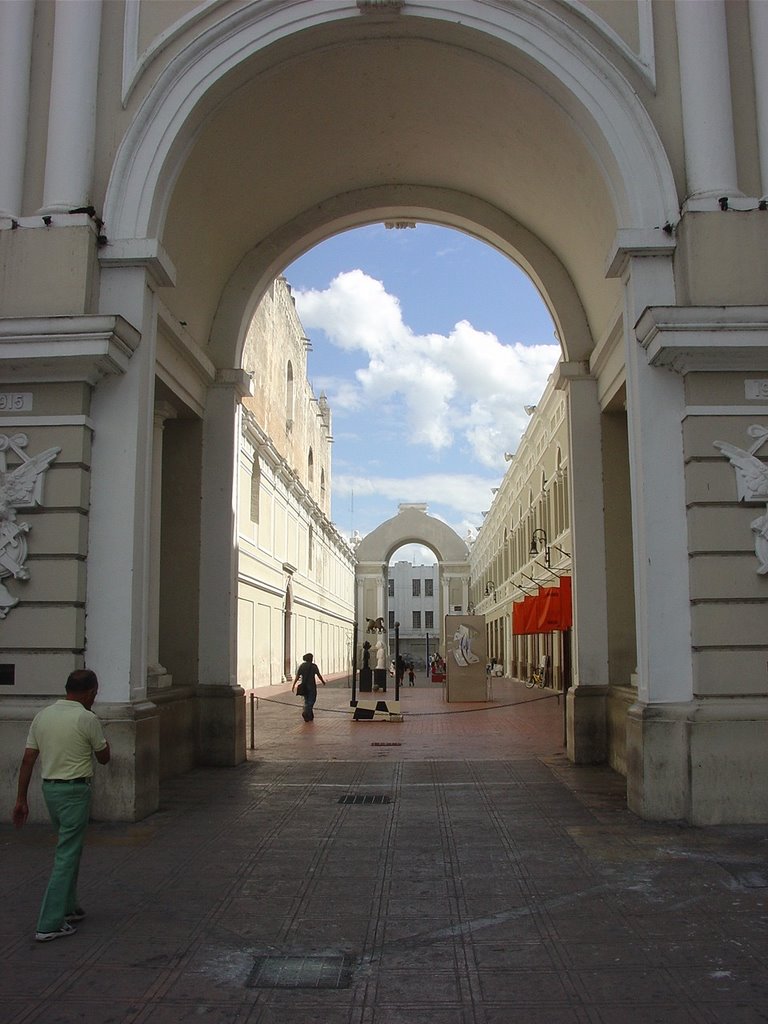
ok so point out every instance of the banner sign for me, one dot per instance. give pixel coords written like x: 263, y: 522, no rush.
x: 548, y: 611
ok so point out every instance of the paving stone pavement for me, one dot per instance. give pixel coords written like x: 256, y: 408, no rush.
x: 493, y: 882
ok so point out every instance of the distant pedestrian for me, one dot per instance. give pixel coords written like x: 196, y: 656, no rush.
x: 308, y: 673
x: 66, y: 736
x: 410, y: 676
x: 400, y: 669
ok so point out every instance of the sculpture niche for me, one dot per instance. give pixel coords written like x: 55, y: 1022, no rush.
x: 20, y: 487
x: 752, y: 485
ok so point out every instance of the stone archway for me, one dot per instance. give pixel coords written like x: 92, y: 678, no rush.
x: 411, y: 525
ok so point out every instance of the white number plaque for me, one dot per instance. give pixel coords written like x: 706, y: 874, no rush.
x: 19, y: 401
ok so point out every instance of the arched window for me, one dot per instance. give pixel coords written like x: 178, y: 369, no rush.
x: 289, y: 396
x: 310, y: 468
x: 322, y: 484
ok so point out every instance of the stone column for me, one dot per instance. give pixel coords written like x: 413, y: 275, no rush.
x: 705, y: 86
x: 359, y: 598
x: 464, y: 593
x: 156, y: 675
x: 381, y: 593
x: 758, y: 20
x: 658, y: 778
x: 587, y: 736
x: 118, y: 557
x: 72, y: 111
x: 16, y: 21
x: 222, y: 701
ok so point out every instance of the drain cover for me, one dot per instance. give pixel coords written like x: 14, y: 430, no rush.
x: 365, y: 798
x: 386, y: 744
x: 301, y: 972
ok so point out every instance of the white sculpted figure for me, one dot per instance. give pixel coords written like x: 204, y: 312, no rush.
x: 463, y: 652
x: 752, y: 485
x: 381, y: 657
x: 20, y: 487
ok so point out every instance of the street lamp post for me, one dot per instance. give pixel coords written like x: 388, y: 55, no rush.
x: 535, y: 550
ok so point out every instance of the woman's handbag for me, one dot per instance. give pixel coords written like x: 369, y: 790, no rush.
x: 301, y: 689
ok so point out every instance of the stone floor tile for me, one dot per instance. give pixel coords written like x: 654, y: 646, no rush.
x: 420, y: 1015
x: 739, y: 1013
x: 85, y: 1011
x: 736, y: 984
x: 190, y: 1013
x: 513, y: 1014
x: 626, y: 986
x: 490, y: 956
x: 300, y: 1015
x: 416, y: 987
x: 662, y: 1014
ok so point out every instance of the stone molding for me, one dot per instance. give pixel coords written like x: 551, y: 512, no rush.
x: 66, y: 348
x: 705, y: 338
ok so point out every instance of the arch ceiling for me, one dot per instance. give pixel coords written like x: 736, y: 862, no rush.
x: 255, y: 144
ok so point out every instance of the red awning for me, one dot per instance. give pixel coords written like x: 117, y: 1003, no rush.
x: 548, y: 611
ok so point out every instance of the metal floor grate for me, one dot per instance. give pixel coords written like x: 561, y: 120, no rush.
x: 381, y: 744
x: 365, y: 798
x: 331, y: 972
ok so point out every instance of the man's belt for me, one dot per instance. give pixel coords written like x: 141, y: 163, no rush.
x: 84, y: 780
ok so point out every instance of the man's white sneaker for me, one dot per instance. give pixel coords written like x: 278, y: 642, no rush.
x: 66, y: 929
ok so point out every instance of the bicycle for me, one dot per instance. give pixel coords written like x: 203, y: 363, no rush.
x: 538, y: 677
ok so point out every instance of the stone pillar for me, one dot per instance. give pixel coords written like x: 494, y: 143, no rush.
x: 758, y: 21
x: 658, y: 782
x: 587, y: 737
x: 221, y: 737
x: 157, y: 677
x: 464, y: 593
x: 16, y: 21
x: 705, y: 86
x: 72, y: 111
x: 122, y: 410
x: 381, y: 594
x: 696, y: 736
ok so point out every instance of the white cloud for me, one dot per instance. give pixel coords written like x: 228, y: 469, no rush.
x: 462, y: 492
x: 466, y: 386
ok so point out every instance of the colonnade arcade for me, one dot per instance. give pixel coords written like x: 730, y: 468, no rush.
x: 151, y: 195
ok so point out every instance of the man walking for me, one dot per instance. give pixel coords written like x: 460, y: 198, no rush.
x: 64, y: 735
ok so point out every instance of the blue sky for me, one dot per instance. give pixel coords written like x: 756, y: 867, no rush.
x: 428, y: 343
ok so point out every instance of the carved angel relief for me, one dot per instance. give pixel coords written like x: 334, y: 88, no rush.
x: 752, y: 485
x: 20, y: 487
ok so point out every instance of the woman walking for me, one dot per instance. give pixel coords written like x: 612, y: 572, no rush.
x: 308, y: 672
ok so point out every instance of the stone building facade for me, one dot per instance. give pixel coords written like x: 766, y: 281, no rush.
x: 413, y: 600
x: 529, y: 512
x: 295, y: 572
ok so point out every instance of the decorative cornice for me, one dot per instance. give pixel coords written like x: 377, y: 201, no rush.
x: 141, y: 252
x: 237, y: 379
x: 631, y: 242
x: 66, y: 348
x: 566, y: 372
x: 705, y: 338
